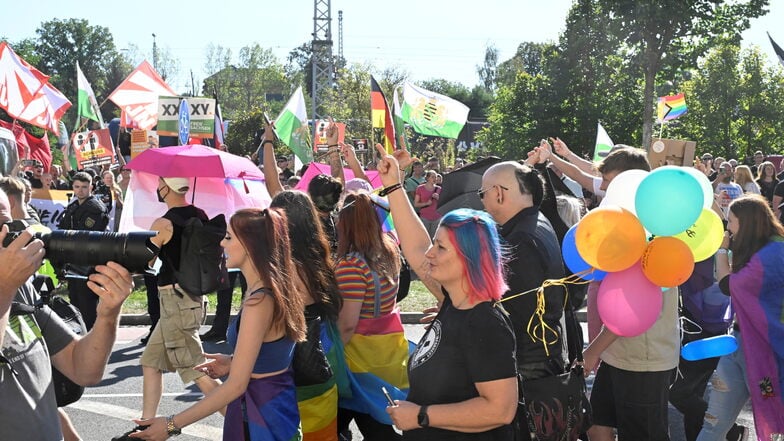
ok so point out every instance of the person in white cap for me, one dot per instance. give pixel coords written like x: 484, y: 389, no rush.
x: 174, y: 343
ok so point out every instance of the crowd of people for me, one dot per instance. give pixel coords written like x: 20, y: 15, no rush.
x: 321, y: 274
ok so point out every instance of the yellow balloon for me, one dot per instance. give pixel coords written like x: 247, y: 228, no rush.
x: 610, y: 238
x: 705, y: 236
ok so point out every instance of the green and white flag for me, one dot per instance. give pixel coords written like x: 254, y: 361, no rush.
x: 291, y: 126
x: 431, y: 113
x: 87, y: 106
x: 603, y: 144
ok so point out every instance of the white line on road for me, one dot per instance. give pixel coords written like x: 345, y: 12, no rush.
x: 201, y: 431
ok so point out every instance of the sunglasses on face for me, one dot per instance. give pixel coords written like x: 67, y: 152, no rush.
x: 481, y: 192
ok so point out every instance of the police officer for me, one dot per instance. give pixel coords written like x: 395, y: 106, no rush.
x: 86, y: 212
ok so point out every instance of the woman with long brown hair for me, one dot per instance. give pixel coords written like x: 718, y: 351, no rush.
x: 375, y: 347
x: 259, y: 391
x: 754, y: 278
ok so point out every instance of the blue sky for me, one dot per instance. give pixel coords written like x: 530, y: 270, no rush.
x: 426, y: 38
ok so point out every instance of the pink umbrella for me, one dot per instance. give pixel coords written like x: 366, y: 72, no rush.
x: 189, y: 161
x: 318, y: 169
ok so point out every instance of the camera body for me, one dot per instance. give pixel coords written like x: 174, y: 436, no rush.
x: 76, y: 248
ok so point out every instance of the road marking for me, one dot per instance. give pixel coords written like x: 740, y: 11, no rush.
x: 201, y: 431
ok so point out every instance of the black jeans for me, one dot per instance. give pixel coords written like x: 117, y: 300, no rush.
x: 153, y: 301
x: 371, y: 429
x: 687, y: 393
x: 85, y: 300
x: 223, y: 309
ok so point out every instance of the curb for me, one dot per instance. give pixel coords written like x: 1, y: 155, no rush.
x: 408, y: 318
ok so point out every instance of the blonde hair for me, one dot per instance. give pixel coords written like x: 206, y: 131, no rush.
x: 743, y: 177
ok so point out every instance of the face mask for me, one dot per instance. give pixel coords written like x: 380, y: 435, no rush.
x: 160, y: 197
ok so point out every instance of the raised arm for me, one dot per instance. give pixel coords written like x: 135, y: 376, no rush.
x: 414, y: 240
x: 271, y: 177
x: 567, y: 168
x: 581, y: 163
x: 353, y: 162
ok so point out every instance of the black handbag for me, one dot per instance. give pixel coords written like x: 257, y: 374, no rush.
x: 556, y: 407
x: 310, y: 363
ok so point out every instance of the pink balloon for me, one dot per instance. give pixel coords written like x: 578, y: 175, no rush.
x: 628, y: 302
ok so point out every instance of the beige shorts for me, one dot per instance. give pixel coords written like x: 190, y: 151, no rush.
x: 174, y: 343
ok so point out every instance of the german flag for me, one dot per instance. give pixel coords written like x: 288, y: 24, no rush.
x: 381, y: 117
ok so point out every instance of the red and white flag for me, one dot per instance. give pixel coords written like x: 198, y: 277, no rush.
x: 137, y: 96
x: 26, y: 94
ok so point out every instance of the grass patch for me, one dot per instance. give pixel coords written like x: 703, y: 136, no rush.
x: 418, y: 299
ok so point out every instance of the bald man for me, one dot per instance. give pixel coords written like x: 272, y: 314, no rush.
x: 512, y: 193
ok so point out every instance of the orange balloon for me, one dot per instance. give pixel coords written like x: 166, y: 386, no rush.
x: 667, y: 261
x: 610, y: 238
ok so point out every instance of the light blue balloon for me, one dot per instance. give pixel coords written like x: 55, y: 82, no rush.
x: 709, y: 347
x: 574, y: 261
x: 668, y: 201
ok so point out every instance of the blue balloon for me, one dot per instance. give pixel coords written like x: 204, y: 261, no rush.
x: 709, y: 347
x: 668, y: 201
x: 574, y: 261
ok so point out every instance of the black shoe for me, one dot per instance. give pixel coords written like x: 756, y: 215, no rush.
x: 146, y: 338
x: 213, y: 335
x: 125, y: 437
x: 738, y: 433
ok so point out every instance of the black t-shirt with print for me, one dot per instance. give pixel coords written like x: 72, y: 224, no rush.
x: 461, y: 348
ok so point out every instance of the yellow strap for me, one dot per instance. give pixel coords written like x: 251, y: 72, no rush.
x: 539, y: 331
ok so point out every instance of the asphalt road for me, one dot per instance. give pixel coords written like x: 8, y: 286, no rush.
x: 106, y: 410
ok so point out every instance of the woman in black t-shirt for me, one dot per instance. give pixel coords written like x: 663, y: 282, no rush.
x: 462, y: 374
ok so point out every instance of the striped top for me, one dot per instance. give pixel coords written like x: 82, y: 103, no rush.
x: 355, y: 281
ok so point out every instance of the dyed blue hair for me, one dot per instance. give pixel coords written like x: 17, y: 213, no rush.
x: 474, y: 235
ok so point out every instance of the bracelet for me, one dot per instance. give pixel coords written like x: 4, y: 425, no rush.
x: 386, y: 190
x: 333, y: 145
x: 267, y: 141
x: 722, y: 251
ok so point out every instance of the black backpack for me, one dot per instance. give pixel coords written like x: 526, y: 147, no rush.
x: 202, y: 266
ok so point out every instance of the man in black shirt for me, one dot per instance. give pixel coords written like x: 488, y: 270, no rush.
x: 512, y: 194
x: 174, y: 343
x: 84, y: 213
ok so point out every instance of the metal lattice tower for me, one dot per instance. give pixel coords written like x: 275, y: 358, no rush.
x: 340, y: 36
x: 321, y: 56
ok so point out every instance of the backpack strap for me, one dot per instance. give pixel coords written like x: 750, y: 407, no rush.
x: 376, y: 284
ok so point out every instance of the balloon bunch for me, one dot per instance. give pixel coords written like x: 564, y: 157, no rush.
x: 646, y: 235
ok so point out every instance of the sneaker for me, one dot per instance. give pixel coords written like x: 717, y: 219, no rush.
x: 125, y: 437
x: 738, y: 433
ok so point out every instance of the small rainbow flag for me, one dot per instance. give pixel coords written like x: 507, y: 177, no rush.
x: 671, y: 107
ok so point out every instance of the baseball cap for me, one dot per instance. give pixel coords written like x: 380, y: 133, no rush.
x: 178, y: 185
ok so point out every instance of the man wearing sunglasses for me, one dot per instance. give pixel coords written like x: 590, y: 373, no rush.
x: 512, y: 193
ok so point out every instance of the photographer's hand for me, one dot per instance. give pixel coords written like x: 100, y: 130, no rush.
x: 18, y: 262
x: 113, y: 284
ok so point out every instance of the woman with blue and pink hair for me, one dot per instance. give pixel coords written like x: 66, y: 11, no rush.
x: 462, y: 375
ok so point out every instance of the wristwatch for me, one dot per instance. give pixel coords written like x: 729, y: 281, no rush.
x: 171, y: 429
x: 422, y: 419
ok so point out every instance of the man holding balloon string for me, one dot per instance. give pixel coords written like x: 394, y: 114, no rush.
x: 633, y: 326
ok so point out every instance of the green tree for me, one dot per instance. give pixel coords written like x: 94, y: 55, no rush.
x: 489, y: 69
x: 671, y: 32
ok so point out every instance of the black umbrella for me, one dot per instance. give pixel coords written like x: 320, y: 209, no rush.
x: 459, y: 187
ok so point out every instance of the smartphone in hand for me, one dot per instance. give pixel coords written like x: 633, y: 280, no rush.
x: 389, y: 398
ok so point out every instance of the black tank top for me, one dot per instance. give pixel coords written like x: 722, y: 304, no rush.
x: 170, y: 251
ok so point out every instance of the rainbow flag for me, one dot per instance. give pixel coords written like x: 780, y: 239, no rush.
x: 671, y: 107
x: 318, y: 403
x: 376, y: 357
x: 382, y: 211
x: 270, y: 406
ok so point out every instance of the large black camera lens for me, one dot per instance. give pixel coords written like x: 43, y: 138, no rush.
x: 131, y: 250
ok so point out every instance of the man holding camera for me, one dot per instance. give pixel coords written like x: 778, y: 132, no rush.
x: 86, y: 212
x: 33, y: 338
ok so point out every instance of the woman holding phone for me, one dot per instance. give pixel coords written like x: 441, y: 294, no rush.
x: 462, y: 375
